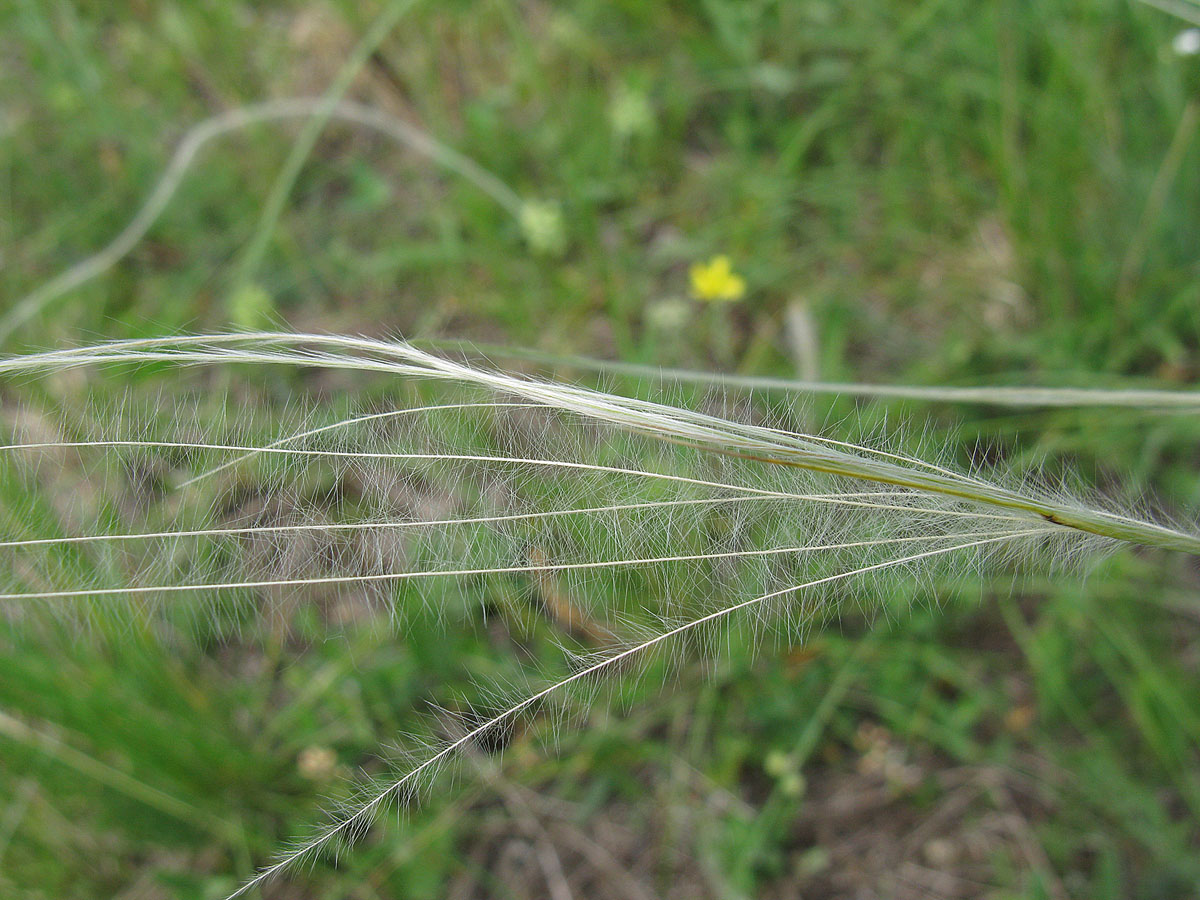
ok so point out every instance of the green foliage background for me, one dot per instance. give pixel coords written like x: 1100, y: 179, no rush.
x: 951, y: 193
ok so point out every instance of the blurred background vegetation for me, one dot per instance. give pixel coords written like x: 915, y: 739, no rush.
x: 923, y: 192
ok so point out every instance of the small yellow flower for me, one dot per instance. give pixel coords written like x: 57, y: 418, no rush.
x: 716, y: 280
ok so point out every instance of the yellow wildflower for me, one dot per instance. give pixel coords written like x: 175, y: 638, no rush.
x: 716, y: 280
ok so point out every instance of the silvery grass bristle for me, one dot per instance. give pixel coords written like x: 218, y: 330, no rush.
x: 660, y: 524
x: 1147, y: 399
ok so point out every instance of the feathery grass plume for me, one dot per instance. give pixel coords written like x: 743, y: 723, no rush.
x: 642, y: 525
x: 1148, y: 399
x: 672, y: 424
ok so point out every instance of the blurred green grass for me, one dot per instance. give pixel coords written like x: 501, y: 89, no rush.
x: 953, y: 194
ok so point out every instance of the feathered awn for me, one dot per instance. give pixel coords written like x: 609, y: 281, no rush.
x: 667, y: 423
x: 904, y: 513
